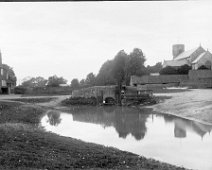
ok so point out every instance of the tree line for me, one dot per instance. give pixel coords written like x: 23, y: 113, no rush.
x: 52, y: 81
x: 112, y: 72
x: 118, y: 70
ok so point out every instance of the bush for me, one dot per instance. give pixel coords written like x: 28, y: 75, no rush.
x: 20, y: 90
x: 184, y: 69
x: 168, y: 70
x: 203, y: 68
x: 172, y: 70
x: 80, y: 101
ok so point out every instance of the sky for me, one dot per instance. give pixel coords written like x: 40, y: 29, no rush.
x: 72, y: 39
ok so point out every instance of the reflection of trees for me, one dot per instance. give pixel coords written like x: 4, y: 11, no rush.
x: 124, y: 120
x: 130, y: 121
x: 179, y: 128
x: 168, y: 118
x: 54, y: 117
x: 133, y: 121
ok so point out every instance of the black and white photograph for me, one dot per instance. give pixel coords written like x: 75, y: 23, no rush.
x: 106, y: 85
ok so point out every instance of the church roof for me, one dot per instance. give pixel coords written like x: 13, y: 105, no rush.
x: 186, y: 54
x: 199, y: 57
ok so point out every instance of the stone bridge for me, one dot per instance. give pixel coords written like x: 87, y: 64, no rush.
x: 102, y: 93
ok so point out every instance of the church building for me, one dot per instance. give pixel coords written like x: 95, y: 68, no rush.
x: 195, y: 58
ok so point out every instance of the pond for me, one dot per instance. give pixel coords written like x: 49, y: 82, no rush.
x: 163, y: 137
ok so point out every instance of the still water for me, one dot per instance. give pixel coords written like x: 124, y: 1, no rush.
x: 167, y: 138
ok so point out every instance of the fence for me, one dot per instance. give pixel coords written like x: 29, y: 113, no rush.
x: 195, y: 79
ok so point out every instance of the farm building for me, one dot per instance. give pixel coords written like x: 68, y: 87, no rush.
x: 7, y: 78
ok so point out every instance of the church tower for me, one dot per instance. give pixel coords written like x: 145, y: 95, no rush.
x: 177, y: 49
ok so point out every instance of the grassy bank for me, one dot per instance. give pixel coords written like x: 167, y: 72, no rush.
x: 37, y: 91
x: 24, y: 145
x: 34, y: 100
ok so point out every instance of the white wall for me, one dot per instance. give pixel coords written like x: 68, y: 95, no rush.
x: 204, y: 59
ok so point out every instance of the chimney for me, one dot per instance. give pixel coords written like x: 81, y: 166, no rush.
x: 177, y: 49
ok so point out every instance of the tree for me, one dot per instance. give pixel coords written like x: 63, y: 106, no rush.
x: 40, y: 82
x: 155, y: 68
x: 105, y: 77
x: 28, y: 83
x: 168, y: 70
x: 135, y: 65
x: 55, y: 81
x: 90, y: 79
x: 82, y: 83
x: 121, y: 68
x: 184, y: 69
x: 75, y: 83
x: 118, y: 70
x: 35, y: 82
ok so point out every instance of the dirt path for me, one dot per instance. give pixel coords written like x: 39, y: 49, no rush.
x: 195, y: 104
x: 52, y: 103
x: 55, y: 102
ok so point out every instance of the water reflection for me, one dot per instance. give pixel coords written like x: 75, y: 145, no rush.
x: 125, y: 120
x: 54, y: 117
x: 181, y: 126
x: 163, y: 137
x: 128, y: 120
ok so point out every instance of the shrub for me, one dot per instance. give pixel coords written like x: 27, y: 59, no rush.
x: 20, y: 90
x: 184, y: 69
x: 80, y: 101
x: 168, y: 70
x: 203, y: 68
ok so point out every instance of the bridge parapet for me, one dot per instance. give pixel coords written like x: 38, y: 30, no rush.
x: 100, y: 92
